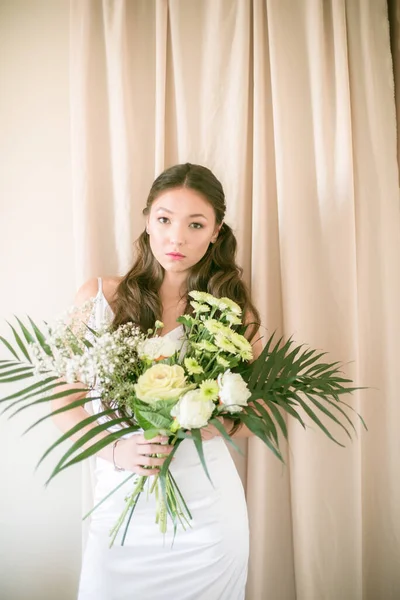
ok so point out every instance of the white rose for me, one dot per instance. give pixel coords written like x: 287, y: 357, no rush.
x: 233, y: 391
x: 191, y: 411
x: 158, y: 347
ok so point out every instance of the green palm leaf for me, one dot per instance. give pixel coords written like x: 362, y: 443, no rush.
x: 218, y: 425
x: 21, y: 396
x: 7, y: 364
x: 20, y: 343
x: 69, y: 406
x: 316, y: 420
x: 17, y: 378
x: 9, y: 347
x: 86, y: 437
x: 40, y: 338
x: 94, y: 449
x: 68, y: 434
x: 277, y: 416
x: 27, y: 335
x: 256, y: 426
x: 198, y: 442
x: 23, y: 370
x: 63, y: 394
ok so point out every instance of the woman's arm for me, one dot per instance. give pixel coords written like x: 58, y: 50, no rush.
x: 131, y: 453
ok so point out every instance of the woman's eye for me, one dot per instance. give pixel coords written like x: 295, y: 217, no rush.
x: 163, y: 220
x: 196, y: 225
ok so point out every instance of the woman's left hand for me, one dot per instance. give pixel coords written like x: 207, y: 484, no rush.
x: 210, y: 431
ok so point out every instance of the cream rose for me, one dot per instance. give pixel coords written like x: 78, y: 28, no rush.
x: 158, y: 347
x: 161, y: 382
x: 192, y: 411
x: 233, y: 391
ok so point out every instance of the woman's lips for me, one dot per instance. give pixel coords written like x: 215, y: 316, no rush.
x: 175, y: 255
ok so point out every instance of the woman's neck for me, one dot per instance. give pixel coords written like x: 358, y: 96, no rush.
x: 173, y: 286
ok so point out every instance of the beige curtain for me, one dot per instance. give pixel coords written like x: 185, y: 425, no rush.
x: 291, y: 104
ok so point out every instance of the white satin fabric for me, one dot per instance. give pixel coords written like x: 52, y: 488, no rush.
x: 208, y: 561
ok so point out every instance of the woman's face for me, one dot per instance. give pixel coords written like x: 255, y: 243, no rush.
x: 181, y: 225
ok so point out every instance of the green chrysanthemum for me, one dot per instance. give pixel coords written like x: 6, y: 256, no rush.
x: 215, y: 327
x: 200, y: 308
x: 222, y: 342
x: 246, y: 355
x: 205, y: 345
x: 202, y: 296
x: 209, y: 390
x: 192, y: 366
x: 240, y: 342
x: 231, y: 306
x: 223, y: 362
x: 232, y: 319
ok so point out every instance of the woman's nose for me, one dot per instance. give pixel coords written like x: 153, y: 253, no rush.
x: 177, y: 236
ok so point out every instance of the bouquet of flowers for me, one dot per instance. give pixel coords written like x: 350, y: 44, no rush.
x: 171, y: 388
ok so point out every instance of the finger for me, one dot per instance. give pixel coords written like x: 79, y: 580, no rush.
x: 148, y: 472
x: 154, y: 449
x: 159, y: 439
x: 150, y: 461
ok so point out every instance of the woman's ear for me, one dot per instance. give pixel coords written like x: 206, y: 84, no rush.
x: 216, y: 233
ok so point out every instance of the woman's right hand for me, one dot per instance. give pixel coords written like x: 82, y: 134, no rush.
x: 135, y: 453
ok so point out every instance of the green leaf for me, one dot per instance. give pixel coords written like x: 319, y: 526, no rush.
x: 9, y: 347
x: 92, y: 331
x: 15, y: 372
x: 336, y: 406
x: 278, y: 417
x: 7, y: 364
x: 148, y: 419
x: 20, y: 343
x: 27, y: 335
x: 268, y: 376
x: 286, y: 406
x: 40, y: 338
x: 17, y: 378
x: 163, y: 475
x: 17, y: 396
x: 322, y: 408
x: 218, y: 425
x: 267, y: 419
x: 108, y: 495
x: 353, y: 409
x: 259, y: 363
x: 256, y: 426
x: 64, y: 394
x: 316, y: 420
x: 150, y: 434
x: 86, y: 437
x: 94, y: 449
x: 198, y: 442
x: 69, y: 406
x: 68, y: 434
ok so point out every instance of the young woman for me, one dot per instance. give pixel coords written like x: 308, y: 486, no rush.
x: 186, y: 245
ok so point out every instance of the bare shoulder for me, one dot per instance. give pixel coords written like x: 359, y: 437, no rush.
x: 110, y: 285
x: 91, y: 287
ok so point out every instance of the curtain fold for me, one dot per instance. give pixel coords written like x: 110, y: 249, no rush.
x: 292, y: 106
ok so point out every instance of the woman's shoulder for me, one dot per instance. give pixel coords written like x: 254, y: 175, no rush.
x: 91, y: 288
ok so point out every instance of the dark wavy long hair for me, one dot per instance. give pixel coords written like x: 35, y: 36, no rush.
x: 137, y: 298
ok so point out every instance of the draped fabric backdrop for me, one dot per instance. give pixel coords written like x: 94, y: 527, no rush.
x: 291, y: 104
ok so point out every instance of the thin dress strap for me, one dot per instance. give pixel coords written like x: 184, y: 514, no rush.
x: 100, y: 289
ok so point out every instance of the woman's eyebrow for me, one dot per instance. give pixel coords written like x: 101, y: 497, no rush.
x: 171, y: 212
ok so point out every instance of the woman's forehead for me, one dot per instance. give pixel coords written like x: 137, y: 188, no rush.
x: 183, y: 201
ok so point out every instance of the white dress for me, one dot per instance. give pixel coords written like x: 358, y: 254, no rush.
x: 206, y: 562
